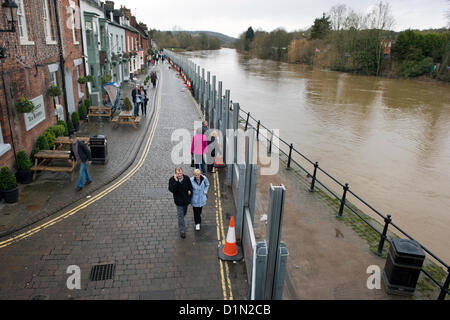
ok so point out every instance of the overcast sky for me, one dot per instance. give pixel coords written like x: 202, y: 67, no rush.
x: 232, y: 17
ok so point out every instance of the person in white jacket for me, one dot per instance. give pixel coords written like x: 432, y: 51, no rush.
x: 200, y: 187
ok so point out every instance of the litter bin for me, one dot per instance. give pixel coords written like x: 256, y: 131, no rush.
x: 403, y: 265
x: 99, y: 149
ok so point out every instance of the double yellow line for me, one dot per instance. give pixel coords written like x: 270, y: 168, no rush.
x: 99, y: 196
x: 224, y: 269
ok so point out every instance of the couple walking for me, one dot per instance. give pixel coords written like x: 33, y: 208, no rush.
x: 187, y: 191
x: 139, y: 95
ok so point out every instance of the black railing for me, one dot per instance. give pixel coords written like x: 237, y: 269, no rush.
x: 288, y: 150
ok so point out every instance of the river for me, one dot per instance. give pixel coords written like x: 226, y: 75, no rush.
x: 388, y: 138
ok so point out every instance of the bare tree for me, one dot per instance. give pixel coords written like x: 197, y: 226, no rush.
x: 380, y: 17
x: 338, y: 16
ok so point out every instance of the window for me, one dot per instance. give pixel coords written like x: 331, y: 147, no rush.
x: 4, y: 147
x: 89, y: 33
x: 72, y: 19
x: 22, y: 23
x: 47, y: 24
x: 54, y: 80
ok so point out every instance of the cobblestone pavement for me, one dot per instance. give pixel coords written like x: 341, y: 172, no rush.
x: 52, y: 191
x: 134, y: 226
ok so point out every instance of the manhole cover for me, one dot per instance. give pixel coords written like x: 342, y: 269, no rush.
x: 102, y: 272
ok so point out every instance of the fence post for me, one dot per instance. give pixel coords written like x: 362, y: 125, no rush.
x: 387, y: 220
x: 313, y: 182
x: 257, y: 130
x: 341, y: 209
x: 445, y: 287
x: 246, y: 122
x: 290, y: 156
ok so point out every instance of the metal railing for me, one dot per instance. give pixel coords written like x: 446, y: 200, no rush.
x: 287, y: 150
x: 291, y: 154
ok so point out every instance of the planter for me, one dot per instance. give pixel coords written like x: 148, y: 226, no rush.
x: 24, y: 176
x: 11, y: 196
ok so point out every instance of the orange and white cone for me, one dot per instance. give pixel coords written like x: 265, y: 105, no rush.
x: 230, y: 251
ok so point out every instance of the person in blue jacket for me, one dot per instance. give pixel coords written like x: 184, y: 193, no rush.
x: 200, y: 186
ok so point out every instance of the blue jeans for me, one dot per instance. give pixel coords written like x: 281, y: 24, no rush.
x: 181, y: 212
x: 136, y: 109
x: 83, y: 175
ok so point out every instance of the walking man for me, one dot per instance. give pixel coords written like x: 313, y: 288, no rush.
x: 181, y: 187
x: 153, y: 78
x: 136, y: 99
x: 81, y: 153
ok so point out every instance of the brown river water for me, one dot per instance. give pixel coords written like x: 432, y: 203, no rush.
x: 388, y: 138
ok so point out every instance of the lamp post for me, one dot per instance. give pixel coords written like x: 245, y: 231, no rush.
x: 12, y: 6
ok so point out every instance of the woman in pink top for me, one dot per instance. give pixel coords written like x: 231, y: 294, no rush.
x: 198, y: 148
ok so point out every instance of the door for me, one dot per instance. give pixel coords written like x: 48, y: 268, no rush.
x: 69, y: 91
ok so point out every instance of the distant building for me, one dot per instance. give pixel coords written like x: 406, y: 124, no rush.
x: 387, y: 46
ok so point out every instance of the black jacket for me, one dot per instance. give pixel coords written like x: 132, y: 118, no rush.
x: 180, y: 190
x: 133, y: 94
x: 83, y: 152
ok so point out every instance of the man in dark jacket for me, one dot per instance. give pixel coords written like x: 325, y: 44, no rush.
x: 181, y: 187
x: 82, y: 155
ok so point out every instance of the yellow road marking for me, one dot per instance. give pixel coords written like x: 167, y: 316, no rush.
x: 101, y: 194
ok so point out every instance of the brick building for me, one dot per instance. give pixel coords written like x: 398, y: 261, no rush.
x: 32, y: 63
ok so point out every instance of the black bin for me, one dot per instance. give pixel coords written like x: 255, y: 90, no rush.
x: 403, y: 265
x: 99, y: 149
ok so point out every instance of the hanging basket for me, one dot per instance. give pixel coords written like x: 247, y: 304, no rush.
x: 24, y: 106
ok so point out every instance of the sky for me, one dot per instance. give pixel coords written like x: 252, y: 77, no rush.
x: 232, y: 17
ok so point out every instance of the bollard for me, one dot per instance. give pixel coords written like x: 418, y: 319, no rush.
x: 246, y: 122
x: 341, y: 209
x: 387, y: 220
x: 290, y: 156
x: 313, y: 182
x: 445, y: 286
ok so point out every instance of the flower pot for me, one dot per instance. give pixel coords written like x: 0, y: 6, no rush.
x: 24, y: 176
x: 11, y: 196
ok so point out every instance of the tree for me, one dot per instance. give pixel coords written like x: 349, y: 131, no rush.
x: 249, y: 36
x: 338, y: 16
x: 321, y: 27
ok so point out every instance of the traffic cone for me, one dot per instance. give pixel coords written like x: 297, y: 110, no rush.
x: 230, y: 251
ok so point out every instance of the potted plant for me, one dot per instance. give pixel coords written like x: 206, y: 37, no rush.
x: 83, y: 111
x: 63, y: 123
x: 76, y: 120
x: 42, y: 143
x: 70, y: 127
x: 24, y: 105
x: 127, y: 105
x: 54, y: 91
x: 8, y: 185
x: 24, y: 174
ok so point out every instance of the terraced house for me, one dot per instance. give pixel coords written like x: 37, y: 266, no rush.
x: 40, y: 48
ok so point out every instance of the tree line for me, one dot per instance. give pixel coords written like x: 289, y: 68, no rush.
x: 345, y: 40
x: 184, y: 40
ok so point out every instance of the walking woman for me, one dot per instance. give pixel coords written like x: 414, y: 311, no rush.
x: 200, y: 186
x: 144, y: 100
x: 198, y: 148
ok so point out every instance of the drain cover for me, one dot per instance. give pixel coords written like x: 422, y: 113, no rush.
x: 102, y: 272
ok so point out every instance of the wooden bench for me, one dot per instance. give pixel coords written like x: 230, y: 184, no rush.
x: 126, y: 117
x: 65, y: 141
x: 46, y: 156
x: 137, y: 120
x: 98, y: 111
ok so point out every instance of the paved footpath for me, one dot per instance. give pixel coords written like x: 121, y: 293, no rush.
x: 131, y: 223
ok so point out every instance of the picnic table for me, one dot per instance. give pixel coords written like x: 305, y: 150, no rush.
x: 63, y: 141
x: 43, y: 158
x: 126, y: 117
x: 99, y: 111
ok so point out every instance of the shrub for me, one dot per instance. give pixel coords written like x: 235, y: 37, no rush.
x: 70, y: 127
x: 127, y: 105
x: 7, y: 179
x: 42, y: 143
x: 64, y: 124
x: 410, y: 68
x: 83, y: 111
x: 87, y: 103
x: 24, y: 105
x: 33, y: 152
x: 23, y: 162
x: 57, y: 130
x: 75, y: 118
x: 50, y: 136
x: 106, y: 78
